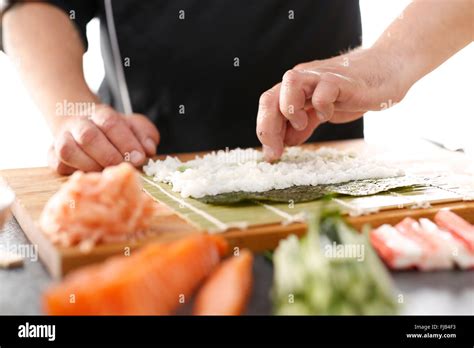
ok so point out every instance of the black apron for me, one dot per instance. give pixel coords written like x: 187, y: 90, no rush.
x: 197, y: 68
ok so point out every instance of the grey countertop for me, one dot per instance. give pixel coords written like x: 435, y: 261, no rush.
x: 422, y: 293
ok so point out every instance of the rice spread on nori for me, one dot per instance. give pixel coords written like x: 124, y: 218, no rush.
x: 228, y: 177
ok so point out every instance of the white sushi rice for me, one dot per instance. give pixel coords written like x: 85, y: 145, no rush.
x: 245, y: 170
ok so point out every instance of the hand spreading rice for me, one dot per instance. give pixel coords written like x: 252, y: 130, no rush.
x: 245, y: 170
x: 98, y: 207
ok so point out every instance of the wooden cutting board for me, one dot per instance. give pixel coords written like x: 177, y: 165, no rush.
x: 34, y: 186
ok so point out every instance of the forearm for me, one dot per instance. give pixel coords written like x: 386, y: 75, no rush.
x: 47, y: 50
x: 425, y: 35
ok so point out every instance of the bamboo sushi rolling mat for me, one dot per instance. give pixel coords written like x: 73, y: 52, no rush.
x: 219, y: 218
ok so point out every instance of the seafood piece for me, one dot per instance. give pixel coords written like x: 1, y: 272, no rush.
x: 460, y: 254
x: 457, y: 226
x: 397, y: 250
x: 435, y: 254
x: 92, y: 208
x: 155, y: 280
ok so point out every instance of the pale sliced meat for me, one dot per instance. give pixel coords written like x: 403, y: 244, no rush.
x: 463, y: 258
x: 457, y: 226
x: 397, y: 250
x: 435, y: 255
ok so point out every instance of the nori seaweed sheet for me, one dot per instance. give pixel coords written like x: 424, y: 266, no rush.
x: 298, y: 194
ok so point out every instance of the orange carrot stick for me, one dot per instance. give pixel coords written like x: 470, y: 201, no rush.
x: 228, y: 289
x: 155, y: 280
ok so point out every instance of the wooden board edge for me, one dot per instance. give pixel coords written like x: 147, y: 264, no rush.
x: 275, y: 232
x: 48, y: 253
x: 465, y: 209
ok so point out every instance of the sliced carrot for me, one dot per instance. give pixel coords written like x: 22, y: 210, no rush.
x: 155, y: 280
x: 457, y: 226
x: 228, y: 289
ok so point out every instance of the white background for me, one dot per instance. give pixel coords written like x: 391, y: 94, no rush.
x: 438, y: 107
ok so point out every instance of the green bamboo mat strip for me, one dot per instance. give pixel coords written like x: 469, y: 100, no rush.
x: 240, y: 215
x: 246, y: 215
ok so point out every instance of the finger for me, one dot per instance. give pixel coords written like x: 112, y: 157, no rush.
x: 271, y: 124
x: 120, y: 135
x: 297, y: 86
x: 323, y: 99
x: 68, y: 152
x: 346, y: 116
x: 145, y: 131
x: 55, y: 164
x: 295, y: 137
x: 95, y: 144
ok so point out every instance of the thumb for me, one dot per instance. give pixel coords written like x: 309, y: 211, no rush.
x: 57, y: 165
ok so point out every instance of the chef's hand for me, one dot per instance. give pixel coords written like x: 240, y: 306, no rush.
x: 336, y: 90
x: 105, y: 138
